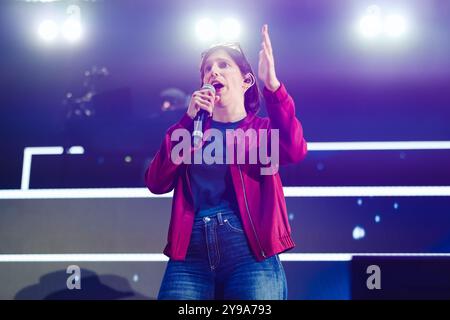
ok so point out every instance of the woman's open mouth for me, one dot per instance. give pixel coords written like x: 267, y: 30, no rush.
x: 218, y: 86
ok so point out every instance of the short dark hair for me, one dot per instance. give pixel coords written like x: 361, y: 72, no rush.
x: 252, y: 95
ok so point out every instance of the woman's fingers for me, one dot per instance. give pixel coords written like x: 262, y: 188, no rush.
x: 266, y: 51
x: 201, y: 99
x: 266, y: 66
x: 206, y: 92
x: 202, y: 104
x: 266, y: 39
x: 206, y: 97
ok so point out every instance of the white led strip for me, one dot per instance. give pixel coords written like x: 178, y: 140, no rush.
x: 296, y: 192
x: 29, y: 152
x: 378, y: 145
x: 159, y: 257
x: 27, y: 158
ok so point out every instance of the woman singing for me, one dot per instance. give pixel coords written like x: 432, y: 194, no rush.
x: 229, y: 220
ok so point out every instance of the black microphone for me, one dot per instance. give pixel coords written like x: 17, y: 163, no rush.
x: 198, y: 121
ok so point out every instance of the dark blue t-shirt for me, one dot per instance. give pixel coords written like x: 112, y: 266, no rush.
x: 212, y: 188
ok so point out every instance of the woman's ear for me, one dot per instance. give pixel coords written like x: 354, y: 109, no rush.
x: 249, y: 80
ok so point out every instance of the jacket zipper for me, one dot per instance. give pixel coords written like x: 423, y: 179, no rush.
x: 248, y: 213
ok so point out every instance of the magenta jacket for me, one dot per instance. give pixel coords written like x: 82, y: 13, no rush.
x: 260, y: 198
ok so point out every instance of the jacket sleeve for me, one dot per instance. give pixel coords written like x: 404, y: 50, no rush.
x: 281, y: 110
x: 160, y: 176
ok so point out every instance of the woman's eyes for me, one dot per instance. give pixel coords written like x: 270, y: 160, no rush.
x: 221, y: 65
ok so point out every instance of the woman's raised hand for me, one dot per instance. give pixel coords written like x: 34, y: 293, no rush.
x: 266, y: 65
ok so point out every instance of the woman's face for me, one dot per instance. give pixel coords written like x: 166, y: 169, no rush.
x: 219, y: 67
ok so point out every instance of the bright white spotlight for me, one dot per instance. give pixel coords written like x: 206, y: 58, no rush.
x: 230, y: 29
x: 370, y: 26
x: 395, y: 25
x: 48, y: 30
x: 206, y: 29
x: 72, y: 29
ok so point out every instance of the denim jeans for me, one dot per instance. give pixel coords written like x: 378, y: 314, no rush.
x: 220, y: 265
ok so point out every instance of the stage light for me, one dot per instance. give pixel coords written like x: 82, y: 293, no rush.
x: 72, y: 30
x: 370, y: 26
x: 206, y: 29
x: 360, y: 202
x: 375, y: 22
x: 230, y: 29
x: 395, y: 25
x: 358, y: 233
x: 48, y: 30
x: 377, y: 218
x: 395, y: 205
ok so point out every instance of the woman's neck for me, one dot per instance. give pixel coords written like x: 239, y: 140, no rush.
x: 226, y: 114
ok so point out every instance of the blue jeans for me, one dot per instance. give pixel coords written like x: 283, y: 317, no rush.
x: 220, y: 265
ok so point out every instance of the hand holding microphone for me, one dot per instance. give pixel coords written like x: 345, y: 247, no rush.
x: 202, y: 103
x: 202, y: 99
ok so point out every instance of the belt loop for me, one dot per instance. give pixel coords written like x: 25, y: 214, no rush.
x: 219, y: 217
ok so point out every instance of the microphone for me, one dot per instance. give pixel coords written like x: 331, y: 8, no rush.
x: 198, y: 121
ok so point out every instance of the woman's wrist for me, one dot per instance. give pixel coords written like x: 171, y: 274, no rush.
x: 273, y: 85
x: 190, y: 116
